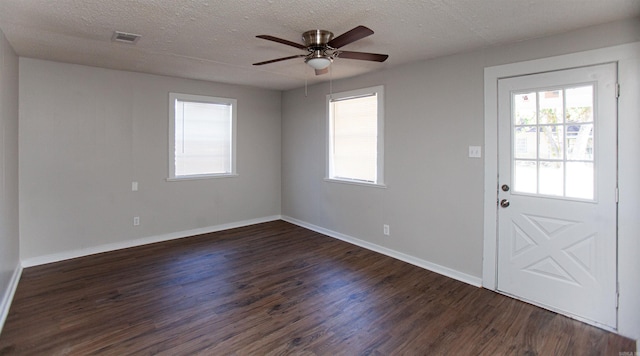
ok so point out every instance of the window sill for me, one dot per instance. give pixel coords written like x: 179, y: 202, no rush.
x: 201, y: 177
x: 355, y: 182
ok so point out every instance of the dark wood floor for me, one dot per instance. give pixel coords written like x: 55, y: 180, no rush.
x: 275, y: 288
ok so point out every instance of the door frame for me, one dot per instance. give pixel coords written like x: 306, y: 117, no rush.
x: 627, y: 58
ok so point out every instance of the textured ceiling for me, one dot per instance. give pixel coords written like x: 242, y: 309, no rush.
x: 215, y: 40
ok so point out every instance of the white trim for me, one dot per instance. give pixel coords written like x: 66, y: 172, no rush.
x: 433, y: 267
x: 200, y: 177
x: 61, y: 256
x: 8, y: 295
x: 355, y: 182
x: 489, y: 263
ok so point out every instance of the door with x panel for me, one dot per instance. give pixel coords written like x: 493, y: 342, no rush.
x: 557, y: 191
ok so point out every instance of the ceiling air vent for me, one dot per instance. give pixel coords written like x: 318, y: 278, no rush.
x: 125, y: 37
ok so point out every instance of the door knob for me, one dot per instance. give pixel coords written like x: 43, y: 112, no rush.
x: 504, y: 203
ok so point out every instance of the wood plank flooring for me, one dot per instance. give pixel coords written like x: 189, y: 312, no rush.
x: 275, y: 289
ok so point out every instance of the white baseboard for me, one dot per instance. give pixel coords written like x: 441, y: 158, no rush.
x: 8, y: 295
x: 445, y: 271
x: 66, y: 255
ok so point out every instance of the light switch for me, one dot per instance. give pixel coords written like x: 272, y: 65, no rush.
x: 475, y: 151
x: 134, y: 186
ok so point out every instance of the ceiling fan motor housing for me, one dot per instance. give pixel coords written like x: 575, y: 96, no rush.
x: 317, y: 39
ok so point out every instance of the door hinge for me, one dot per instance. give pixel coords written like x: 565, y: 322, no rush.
x: 617, y: 294
x: 617, y: 195
x: 617, y: 90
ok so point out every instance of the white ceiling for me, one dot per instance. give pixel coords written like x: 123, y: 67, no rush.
x: 215, y: 40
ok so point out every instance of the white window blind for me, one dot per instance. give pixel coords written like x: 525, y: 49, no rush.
x: 355, y: 136
x: 202, y: 136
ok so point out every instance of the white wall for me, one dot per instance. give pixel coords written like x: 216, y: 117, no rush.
x: 9, y: 245
x: 433, y: 111
x: 86, y: 133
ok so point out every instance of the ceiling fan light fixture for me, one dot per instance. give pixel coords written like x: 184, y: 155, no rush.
x: 319, y: 62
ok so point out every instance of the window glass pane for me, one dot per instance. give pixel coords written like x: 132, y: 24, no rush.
x: 525, y: 177
x: 551, y: 178
x: 580, y: 180
x: 551, y: 141
x: 355, y: 133
x: 579, y: 103
x: 551, y: 111
x: 580, y: 142
x: 525, y: 142
x: 525, y: 109
x: 202, y: 138
x: 554, y: 155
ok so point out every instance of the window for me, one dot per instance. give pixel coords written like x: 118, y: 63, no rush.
x: 355, y: 136
x: 557, y: 128
x: 201, y: 136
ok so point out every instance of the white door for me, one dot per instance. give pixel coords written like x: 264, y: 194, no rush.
x: 557, y: 191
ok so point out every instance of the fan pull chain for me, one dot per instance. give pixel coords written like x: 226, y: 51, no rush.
x: 330, y: 83
x: 306, y: 79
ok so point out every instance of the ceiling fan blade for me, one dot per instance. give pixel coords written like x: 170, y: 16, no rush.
x: 278, y: 60
x: 280, y: 40
x: 322, y: 71
x: 352, y: 35
x: 376, y: 57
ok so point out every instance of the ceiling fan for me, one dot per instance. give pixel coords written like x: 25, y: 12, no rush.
x: 322, y: 48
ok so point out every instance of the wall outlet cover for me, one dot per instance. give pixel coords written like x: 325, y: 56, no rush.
x: 475, y: 151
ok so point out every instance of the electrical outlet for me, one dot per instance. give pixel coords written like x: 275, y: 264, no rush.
x: 134, y: 186
x: 385, y: 229
x: 136, y: 220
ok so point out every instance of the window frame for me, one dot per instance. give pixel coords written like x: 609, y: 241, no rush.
x: 352, y: 94
x: 173, y: 97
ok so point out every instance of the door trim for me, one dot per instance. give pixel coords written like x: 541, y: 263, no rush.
x: 491, y: 76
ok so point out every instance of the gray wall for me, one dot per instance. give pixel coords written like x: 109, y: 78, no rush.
x: 434, y: 110
x: 9, y: 253
x: 86, y: 133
